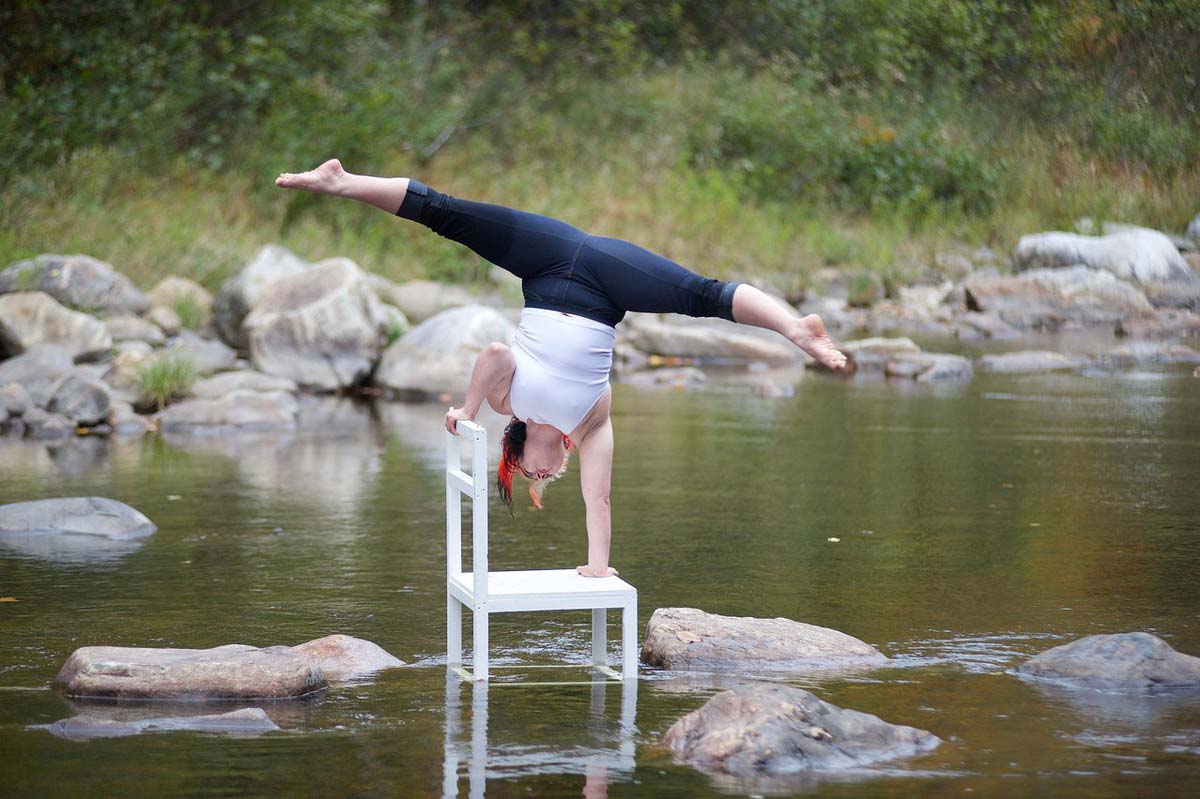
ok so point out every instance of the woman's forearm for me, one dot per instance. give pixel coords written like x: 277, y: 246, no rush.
x: 599, y: 532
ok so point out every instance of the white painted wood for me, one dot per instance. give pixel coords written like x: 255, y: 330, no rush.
x: 486, y: 592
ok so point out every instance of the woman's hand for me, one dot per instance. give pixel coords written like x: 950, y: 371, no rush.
x: 456, y: 415
x: 588, y: 571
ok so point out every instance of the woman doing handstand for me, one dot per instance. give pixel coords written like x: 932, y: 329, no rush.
x: 553, y: 381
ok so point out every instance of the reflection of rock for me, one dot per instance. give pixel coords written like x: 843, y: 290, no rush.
x: 342, y: 656
x: 1127, y: 661
x: 99, y: 516
x: 36, y: 318
x: 1030, y: 361
x: 233, y: 671
x: 244, y: 721
x: 79, y: 454
x: 43, y: 425
x: 237, y: 295
x: 437, y: 356
x: 242, y: 380
x: 687, y: 638
x: 77, y: 281
x: 1139, y: 710
x: 421, y: 427
x: 778, y: 730
x: 239, y: 410
x: 323, y: 328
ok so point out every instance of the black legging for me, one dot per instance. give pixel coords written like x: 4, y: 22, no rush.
x: 564, y: 269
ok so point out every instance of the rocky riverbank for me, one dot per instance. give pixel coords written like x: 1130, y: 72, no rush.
x: 83, y: 350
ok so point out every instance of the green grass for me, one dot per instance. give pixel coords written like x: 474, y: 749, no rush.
x: 653, y: 168
x: 191, y: 314
x: 165, y: 379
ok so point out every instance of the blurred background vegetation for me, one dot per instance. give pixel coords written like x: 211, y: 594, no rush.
x: 767, y: 138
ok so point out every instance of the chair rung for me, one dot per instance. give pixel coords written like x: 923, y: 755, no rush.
x: 459, y: 479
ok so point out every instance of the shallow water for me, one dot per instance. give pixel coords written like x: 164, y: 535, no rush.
x: 978, y: 524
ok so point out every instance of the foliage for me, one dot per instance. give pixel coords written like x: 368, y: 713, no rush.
x: 165, y: 378
x: 191, y: 313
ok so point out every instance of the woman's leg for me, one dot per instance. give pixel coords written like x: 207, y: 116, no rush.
x: 753, y: 307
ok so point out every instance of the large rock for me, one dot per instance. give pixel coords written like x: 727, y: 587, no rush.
x: 78, y: 397
x: 234, y: 671
x: 237, y: 296
x: 779, y: 730
x: 1087, y: 226
x: 1030, y: 361
x: 79, y: 515
x: 1164, y: 323
x: 205, y: 355
x: 14, y: 399
x: 186, y: 297
x: 37, y: 370
x: 78, y: 281
x: 1139, y: 352
x: 1125, y: 661
x: 323, y: 328
x: 97, y: 724
x: 239, y: 410
x: 226, y: 383
x: 342, y: 656
x: 709, y: 339
x: 1193, y: 229
x: 437, y: 356
x: 690, y: 639
x: 1139, y: 254
x: 422, y: 299
x: 1047, y: 298
x: 134, y: 328
x: 36, y: 318
x: 872, y: 354
x: 10, y: 342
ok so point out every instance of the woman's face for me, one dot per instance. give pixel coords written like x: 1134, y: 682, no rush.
x: 543, y: 456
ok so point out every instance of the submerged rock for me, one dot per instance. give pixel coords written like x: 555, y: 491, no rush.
x: 78, y: 515
x: 1030, y: 361
x: 238, y: 410
x: 237, y: 295
x: 437, y: 356
x: 342, y: 656
x: 778, y: 730
x: 687, y: 638
x: 234, y: 671
x: 323, y: 328
x: 37, y: 318
x: 86, y: 726
x: 1127, y: 661
x: 77, y: 281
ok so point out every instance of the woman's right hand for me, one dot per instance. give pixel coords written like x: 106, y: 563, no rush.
x: 456, y: 415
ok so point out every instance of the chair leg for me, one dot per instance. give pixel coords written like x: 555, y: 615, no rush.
x: 599, y: 636
x: 629, y: 648
x: 480, y: 633
x: 453, y: 631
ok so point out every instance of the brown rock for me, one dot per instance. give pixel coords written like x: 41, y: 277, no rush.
x: 342, y: 656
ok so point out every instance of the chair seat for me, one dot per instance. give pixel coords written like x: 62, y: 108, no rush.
x: 544, y: 589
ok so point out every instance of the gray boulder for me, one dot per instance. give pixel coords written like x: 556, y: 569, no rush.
x: 239, y: 410
x: 225, y: 383
x: 779, y: 730
x: 37, y: 318
x: 134, y: 328
x: 1138, y: 254
x: 422, y: 299
x: 37, y: 370
x: 1125, y: 661
x: 690, y: 639
x: 78, y: 397
x: 930, y: 367
x: 437, y: 356
x: 1030, y: 361
x: 1087, y: 226
x: 708, y: 339
x: 343, y: 657
x: 206, y: 355
x: 97, y: 516
x: 166, y: 319
x: 14, y: 399
x: 323, y: 328
x: 234, y: 671
x: 40, y: 424
x: 237, y: 296
x: 1046, y: 298
x: 77, y: 281
x: 1193, y: 229
x: 98, y: 724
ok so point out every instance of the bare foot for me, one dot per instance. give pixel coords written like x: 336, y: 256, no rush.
x: 325, y: 179
x: 810, y: 336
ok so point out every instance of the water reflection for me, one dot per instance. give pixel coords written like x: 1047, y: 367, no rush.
x: 607, y: 752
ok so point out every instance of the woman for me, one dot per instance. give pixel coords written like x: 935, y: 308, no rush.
x: 553, y: 381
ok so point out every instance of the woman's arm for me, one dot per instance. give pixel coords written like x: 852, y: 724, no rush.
x: 491, y: 378
x: 595, y: 477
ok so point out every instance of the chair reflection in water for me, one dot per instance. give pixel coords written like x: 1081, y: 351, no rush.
x: 486, y: 592
x: 564, y: 757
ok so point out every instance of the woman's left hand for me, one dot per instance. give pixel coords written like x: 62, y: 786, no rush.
x: 456, y: 415
x: 588, y: 571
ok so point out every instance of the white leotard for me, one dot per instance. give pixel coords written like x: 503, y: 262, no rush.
x: 563, y: 363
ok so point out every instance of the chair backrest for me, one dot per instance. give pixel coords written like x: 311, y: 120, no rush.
x: 474, y: 486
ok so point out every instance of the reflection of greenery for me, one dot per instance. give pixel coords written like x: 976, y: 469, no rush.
x: 165, y: 379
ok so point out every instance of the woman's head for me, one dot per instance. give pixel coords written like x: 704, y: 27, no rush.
x: 538, y: 453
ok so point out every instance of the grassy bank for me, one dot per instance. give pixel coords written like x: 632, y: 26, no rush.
x: 730, y: 172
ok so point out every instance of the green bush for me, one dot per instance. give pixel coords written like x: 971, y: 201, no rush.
x: 164, y: 379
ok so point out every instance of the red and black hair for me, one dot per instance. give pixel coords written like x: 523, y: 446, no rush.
x: 512, y: 448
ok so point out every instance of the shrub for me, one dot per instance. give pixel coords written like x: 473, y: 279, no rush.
x: 165, y: 379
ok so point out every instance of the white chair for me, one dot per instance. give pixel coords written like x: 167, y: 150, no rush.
x: 485, y: 592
